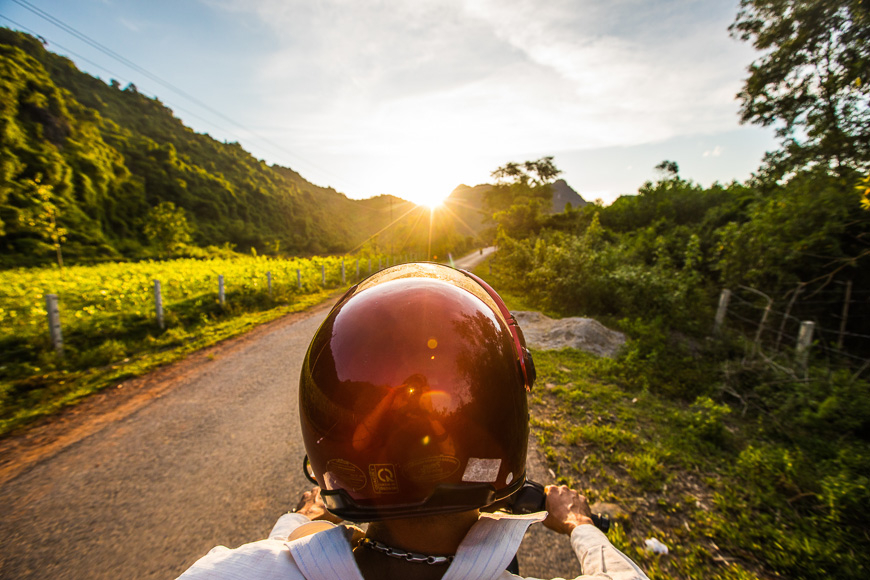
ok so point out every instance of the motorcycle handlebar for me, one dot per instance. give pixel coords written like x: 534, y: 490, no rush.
x: 532, y: 497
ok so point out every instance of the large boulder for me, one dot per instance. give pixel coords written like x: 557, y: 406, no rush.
x: 545, y: 333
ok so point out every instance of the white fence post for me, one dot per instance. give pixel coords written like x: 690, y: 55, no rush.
x: 763, y: 322
x: 785, y: 317
x: 805, y: 339
x: 357, y: 269
x: 54, y: 323
x: 221, y: 296
x: 158, y: 303
x: 269, y: 282
x: 342, y: 272
x: 323, y: 273
x: 724, y: 299
x: 299, y: 278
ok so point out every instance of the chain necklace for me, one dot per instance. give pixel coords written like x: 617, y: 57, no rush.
x: 402, y: 555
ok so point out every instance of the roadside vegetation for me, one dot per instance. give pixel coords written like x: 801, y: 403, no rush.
x: 109, y: 325
x: 747, y: 457
x: 745, y: 461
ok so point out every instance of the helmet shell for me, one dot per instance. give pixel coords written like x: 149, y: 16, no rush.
x: 411, y: 397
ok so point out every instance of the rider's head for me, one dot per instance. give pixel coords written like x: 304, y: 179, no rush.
x: 413, y: 396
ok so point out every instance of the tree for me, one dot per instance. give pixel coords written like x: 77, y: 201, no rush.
x: 533, y: 173
x: 669, y: 169
x: 812, y: 81
x: 166, y: 227
x: 521, y: 196
x: 42, y: 213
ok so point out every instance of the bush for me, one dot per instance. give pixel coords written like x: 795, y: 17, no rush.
x: 707, y: 420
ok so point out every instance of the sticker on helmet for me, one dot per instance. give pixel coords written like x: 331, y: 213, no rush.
x: 346, y: 474
x: 431, y: 468
x: 383, y: 477
x: 481, y: 470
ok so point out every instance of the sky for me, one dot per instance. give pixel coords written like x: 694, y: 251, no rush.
x: 415, y: 97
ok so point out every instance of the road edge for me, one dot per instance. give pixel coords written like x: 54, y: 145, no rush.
x: 24, y: 448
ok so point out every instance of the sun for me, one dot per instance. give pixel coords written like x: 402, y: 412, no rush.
x: 434, y: 201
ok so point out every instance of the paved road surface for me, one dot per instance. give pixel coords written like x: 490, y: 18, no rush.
x: 473, y: 259
x: 209, y: 455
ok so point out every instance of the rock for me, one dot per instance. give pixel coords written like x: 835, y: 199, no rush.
x: 544, y: 333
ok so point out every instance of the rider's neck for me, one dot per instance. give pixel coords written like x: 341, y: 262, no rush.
x: 430, y: 535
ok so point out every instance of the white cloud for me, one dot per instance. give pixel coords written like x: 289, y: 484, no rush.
x: 449, y: 79
x: 715, y: 152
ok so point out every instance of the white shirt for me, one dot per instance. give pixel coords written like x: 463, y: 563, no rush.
x: 486, y: 551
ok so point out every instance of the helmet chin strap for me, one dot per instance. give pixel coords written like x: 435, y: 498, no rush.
x: 445, y: 499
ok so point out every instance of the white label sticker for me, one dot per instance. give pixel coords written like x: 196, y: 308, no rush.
x: 481, y: 470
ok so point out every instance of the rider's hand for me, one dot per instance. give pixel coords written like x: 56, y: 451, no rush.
x: 566, y: 509
x: 311, y: 505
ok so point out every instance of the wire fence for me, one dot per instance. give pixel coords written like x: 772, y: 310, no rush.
x: 827, y: 324
x: 93, y: 304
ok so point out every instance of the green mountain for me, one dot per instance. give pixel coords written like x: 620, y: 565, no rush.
x: 96, y: 158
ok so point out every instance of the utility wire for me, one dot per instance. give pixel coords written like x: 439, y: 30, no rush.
x: 115, y: 75
x: 127, y: 62
x: 111, y: 73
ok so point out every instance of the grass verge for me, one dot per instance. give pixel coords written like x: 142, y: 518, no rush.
x: 706, y: 483
x: 24, y: 400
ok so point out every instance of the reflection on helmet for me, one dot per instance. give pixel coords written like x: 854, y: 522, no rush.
x: 412, y: 397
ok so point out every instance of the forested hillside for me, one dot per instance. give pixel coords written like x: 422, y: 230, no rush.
x: 91, y: 169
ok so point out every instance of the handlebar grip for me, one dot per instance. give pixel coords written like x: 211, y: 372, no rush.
x: 532, y: 497
x: 602, y: 522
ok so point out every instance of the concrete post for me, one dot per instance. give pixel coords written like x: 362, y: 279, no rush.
x: 158, y: 304
x: 54, y: 323
x: 805, y: 339
x: 724, y: 299
x: 763, y: 322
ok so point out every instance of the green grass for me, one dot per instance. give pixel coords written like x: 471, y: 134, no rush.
x: 45, y: 394
x: 725, y: 498
x: 109, y: 329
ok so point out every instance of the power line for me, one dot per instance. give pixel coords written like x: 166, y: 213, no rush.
x: 110, y: 72
x: 127, y: 62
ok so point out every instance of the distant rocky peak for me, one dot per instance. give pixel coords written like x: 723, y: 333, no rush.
x: 563, y: 194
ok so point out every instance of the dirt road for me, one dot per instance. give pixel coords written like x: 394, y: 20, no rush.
x: 141, y: 482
